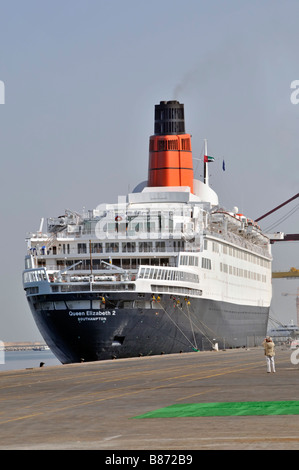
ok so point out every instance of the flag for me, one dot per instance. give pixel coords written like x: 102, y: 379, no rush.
x: 208, y: 159
x: 223, y: 165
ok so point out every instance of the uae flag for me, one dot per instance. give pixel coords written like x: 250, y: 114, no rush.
x: 208, y: 159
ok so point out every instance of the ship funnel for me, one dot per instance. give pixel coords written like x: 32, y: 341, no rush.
x: 170, y: 154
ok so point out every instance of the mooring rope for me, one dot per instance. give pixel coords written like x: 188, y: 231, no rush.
x: 158, y: 300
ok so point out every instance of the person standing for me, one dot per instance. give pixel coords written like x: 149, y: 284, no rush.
x: 269, y: 353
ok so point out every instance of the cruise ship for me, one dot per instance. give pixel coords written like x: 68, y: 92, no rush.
x: 164, y: 270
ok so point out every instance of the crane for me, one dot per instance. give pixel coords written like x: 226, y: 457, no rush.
x: 277, y: 207
x: 291, y: 274
x: 279, y: 237
x: 297, y: 302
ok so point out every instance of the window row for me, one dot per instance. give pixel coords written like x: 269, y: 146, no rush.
x: 34, y: 276
x: 125, y: 263
x: 206, y: 263
x: 113, y: 247
x: 189, y: 260
x: 238, y: 253
x: 245, y: 273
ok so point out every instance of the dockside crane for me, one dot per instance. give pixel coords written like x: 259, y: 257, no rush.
x: 297, y: 302
x: 293, y: 273
x: 279, y: 237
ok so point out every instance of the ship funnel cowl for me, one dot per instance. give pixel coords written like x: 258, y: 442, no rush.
x: 169, y: 118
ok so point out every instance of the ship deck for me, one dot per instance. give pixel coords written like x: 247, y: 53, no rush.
x: 94, y: 405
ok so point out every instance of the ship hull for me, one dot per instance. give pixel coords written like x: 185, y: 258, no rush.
x: 88, y: 327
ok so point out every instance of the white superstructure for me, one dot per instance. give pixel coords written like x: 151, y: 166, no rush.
x: 161, y: 239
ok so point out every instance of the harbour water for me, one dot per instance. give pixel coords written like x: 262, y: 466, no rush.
x: 15, y: 360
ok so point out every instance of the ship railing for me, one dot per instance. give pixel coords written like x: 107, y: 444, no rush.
x: 157, y: 273
x: 167, y: 274
x: 34, y: 275
x: 173, y: 289
x: 101, y: 277
x: 93, y: 286
x: 241, y: 241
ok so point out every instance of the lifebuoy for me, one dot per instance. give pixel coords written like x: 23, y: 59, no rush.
x: 118, y: 218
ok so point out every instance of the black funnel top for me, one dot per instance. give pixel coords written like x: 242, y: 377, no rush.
x: 169, y: 118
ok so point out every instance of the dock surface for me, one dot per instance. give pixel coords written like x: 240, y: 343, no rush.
x: 94, y: 405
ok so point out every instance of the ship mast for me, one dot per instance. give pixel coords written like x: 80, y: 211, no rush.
x: 205, y: 168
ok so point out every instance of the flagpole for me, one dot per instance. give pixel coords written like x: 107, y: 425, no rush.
x: 206, y: 171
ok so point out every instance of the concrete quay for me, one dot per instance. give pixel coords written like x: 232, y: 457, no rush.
x: 91, y: 406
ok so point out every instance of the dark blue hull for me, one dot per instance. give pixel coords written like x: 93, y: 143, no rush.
x: 127, y: 324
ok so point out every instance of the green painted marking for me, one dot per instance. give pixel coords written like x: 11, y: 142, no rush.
x: 243, y: 408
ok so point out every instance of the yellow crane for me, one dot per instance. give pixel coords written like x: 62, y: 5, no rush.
x: 292, y: 273
x: 297, y: 302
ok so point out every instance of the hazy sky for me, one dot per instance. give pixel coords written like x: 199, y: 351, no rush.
x: 81, y: 80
